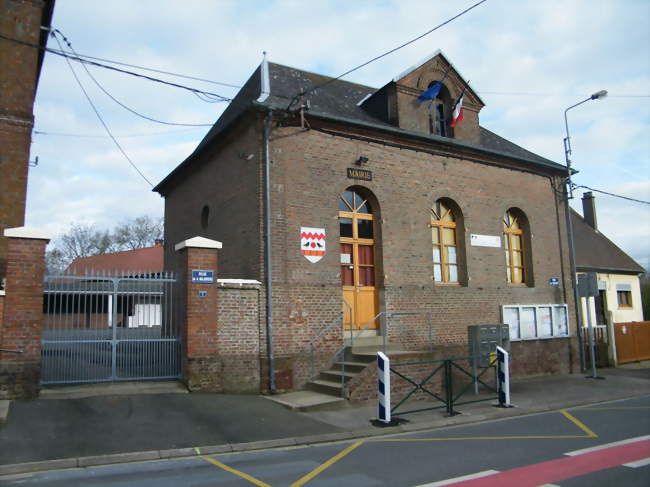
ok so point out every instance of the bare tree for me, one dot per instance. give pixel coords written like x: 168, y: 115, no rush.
x: 84, y: 240
x: 139, y: 232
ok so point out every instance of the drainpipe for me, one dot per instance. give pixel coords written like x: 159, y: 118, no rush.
x: 267, y: 252
x: 265, y: 91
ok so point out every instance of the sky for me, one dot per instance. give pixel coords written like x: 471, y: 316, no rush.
x: 528, y: 60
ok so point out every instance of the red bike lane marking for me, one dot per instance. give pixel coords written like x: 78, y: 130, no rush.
x: 563, y: 468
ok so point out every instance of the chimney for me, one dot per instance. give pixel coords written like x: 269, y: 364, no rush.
x: 589, y: 209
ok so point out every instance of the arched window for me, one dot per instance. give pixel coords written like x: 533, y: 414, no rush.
x: 440, y: 112
x: 514, y: 233
x: 444, y: 241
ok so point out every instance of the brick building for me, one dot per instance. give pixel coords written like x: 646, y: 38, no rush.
x: 378, y: 202
x: 20, y: 20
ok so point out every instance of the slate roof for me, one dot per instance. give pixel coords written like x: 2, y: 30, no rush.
x: 147, y: 259
x: 596, y: 253
x: 339, y: 101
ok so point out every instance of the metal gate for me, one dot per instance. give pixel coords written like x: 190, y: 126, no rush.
x: 110, y: 327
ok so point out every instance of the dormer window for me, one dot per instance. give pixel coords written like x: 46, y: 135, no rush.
x: 439, y: 112
x: 437, y: 118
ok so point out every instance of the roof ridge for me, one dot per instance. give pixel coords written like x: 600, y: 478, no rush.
x: 334, y: 78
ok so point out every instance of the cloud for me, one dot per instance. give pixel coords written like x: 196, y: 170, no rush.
x: 562, y: 50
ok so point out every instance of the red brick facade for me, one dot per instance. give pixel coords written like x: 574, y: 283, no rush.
x: 201, y: 366
x: 410, y: 172
x: 19, y: 19
x: 22, y: 323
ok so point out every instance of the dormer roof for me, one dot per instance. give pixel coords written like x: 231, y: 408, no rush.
x: 439, y: 53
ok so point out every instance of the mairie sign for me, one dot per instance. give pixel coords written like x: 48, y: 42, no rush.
x: 363, y: 174
x: 202, y: 276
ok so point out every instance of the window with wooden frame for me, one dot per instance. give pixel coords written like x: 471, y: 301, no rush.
x: 357, y: 240
x: 514, y: 233
x: 624, y: 299
x: 444, y: 243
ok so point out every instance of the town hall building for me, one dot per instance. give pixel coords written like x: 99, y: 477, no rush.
x: 349, y: 203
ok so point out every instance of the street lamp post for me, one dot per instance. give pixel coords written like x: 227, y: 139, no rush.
x: 568, y: 194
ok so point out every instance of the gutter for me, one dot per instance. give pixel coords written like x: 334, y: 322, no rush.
x: 452, y: 143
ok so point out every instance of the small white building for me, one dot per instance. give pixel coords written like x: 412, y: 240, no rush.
x: 619, y: 297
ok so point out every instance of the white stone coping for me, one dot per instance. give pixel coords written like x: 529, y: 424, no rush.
x: 27, y: 232
x: 198, y: 243
x: 238, y: 282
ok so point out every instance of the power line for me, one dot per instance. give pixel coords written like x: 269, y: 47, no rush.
x: 554, y: 94
x: 62, y: 53
x: 56, y: 32
x: 93, y: 136
x: 101, y: 119
x: 160, y: 71
x: 386, y: 53
x: 615, y: 195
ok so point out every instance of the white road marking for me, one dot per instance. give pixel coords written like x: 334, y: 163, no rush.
x: 607, y: 445
x: 639, y: 463
x: 477, y: 475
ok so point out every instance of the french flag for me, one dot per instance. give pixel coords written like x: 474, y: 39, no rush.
x: 458, y: 112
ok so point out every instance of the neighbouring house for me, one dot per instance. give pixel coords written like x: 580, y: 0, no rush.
x: 147, y: 260
x: 378, y: 203
x: 20, y: 21
x: 619, y: 290
x: 138, y: 302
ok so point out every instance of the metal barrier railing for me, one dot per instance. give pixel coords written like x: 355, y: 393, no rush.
x: 445, y: 367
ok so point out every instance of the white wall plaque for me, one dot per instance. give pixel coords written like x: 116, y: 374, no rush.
x: 485, y: 240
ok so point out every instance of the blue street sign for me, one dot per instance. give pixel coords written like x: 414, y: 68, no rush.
x: 554, y: 281
x: 203, y: 276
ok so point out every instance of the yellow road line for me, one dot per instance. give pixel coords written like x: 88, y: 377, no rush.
x: 614, y: 408
x: 243, y: 475
x: 468, y: 438
x: 325, y: 465
x: 579, y: 424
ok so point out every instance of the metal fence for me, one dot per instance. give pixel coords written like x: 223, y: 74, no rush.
x: 110, y: 326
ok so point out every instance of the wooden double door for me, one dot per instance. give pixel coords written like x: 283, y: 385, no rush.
x: 358, y: 279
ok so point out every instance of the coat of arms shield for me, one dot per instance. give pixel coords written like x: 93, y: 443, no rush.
x: 312, y: 243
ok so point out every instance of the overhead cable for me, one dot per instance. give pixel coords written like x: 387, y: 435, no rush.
x: 101, y: 119
x: 97, y: 136
x: 56, y: 32
x: 614, y: 195
x: 609, y: 95
x: 331, y: 80
x: 66, y: 55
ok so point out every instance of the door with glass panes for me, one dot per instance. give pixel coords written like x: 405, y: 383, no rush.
x: 357, y: 243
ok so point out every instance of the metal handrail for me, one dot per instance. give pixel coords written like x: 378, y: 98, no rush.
x: 341, y: 351
x: 387, y: 314
x: 324, y: 330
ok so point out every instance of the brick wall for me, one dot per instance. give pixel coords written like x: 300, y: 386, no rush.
x: 201, y: 367
x: 22, y: 321
x: 309, y: 172
x: 239, y: 336
x: 226, y: 182
x: 19, y: 19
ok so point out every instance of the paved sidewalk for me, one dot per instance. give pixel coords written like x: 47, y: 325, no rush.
x: 128, y: 427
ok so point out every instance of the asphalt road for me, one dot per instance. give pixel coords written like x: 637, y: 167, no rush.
x: 522, y: 451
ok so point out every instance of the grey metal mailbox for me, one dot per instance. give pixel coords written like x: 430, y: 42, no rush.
x: 484, y: 339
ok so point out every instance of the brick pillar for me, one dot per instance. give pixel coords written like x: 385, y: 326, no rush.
x: 22, y: 324
x: 201, y: 361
